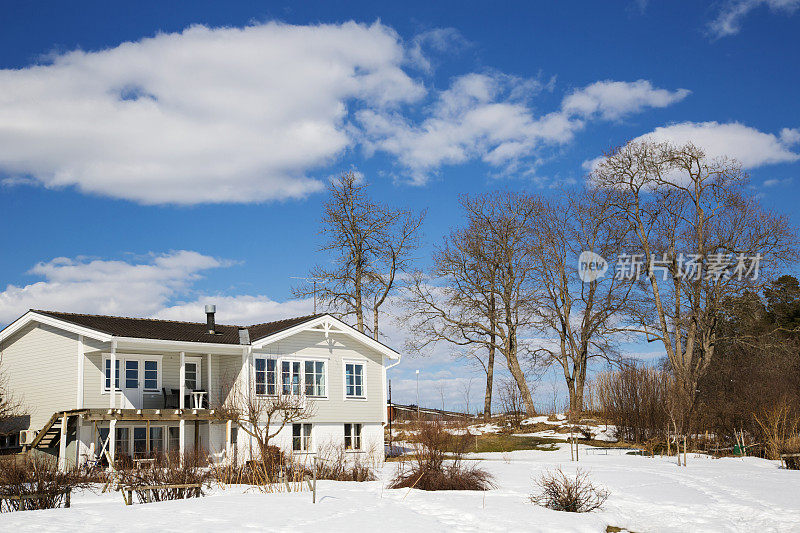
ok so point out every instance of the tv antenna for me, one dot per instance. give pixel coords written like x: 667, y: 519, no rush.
x: 314, y: 281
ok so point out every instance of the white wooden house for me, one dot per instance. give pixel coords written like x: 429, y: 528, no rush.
x: 170, y: 375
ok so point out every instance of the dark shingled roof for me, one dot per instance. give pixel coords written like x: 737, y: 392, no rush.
x: 171, y: 330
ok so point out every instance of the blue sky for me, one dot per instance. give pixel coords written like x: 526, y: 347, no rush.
x: 158, y: 155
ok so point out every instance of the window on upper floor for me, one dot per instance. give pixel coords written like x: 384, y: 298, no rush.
x: 266, y: 376
x: 354, y: 380
x: 314, y: 378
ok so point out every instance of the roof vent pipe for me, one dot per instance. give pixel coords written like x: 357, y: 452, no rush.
x: 210, y: 310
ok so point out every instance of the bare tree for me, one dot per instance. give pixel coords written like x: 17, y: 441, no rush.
x: 10, y: 408
x: 681, y: 205
x: 585, y: 315
x: 263, y: 417
x: 479, y: 293
x: 371, y: 245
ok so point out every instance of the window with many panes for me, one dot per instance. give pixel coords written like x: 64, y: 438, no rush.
x: 314, y: 378
x: 352, y: 436
x: 301, y: 437
x: 290, y: 378
x: 266, y: 378
x: 107, y: 385
x: 151, y: 375
x: 354, y: 380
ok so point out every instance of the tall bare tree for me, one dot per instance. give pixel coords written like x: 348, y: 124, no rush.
x: 478, y: 293
x: 693, y: 222
x: 371, y: 246
x: 584, y: 315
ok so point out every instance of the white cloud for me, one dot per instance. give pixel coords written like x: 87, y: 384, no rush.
x: 488, y: 117
x: 261, y: 113
x: 85, y: 285
x: 205, y: 115
x: 729, y: 18
x: 751, y: 147
x: 614, y: 99
x: 239, y: 310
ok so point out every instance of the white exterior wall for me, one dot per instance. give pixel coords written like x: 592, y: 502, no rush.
x: 327, y: 439
x: 39, y: 363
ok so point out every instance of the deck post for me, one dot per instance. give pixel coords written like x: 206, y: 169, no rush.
x: 228, y: 431
x: 209, y: 375
x: 62, y: 444
x: 182, y: 379
x: 181, y: 438
x: 112, y: 389
x: 112, y: 441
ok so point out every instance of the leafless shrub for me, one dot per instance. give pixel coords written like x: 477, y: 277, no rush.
x: 635, y: 399
x: 571, y: 494
x: 511, y: 402
x: 36, y: 483
x: 168, y: 470
x: 337, y: 464
x: 779, y: 426
x: 437, y: 463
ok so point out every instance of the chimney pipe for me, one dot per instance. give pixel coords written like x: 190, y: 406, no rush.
x: 210, y: 310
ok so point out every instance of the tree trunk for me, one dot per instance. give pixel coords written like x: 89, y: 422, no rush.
x: 519, y: 377
x: 487, y: 401
x: 375, y: 323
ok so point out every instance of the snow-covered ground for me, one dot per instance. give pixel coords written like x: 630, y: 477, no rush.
x: 646, y: 495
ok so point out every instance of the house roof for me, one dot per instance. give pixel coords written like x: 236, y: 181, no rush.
x: 172, y: 330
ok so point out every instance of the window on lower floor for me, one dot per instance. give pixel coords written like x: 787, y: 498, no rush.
x: 301, y: 437
x: 173, y: 438
x: 139, y: 442
x: 156, y: 440
x: 352, y: 436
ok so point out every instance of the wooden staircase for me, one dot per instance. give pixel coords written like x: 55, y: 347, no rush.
x: 50, y: 435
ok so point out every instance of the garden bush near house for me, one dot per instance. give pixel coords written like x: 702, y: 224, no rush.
x: 336, y: 463
x: 37, y: 483
x: 560, y: 492
x: 168, y: 469
x: 437, y: 462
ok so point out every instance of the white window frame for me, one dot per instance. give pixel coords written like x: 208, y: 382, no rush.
x: 302, y: 360
x: 158, y: 358
x: 353, y: 437
x: 324, y: 377
x: 199, y: 376
x: 363, y: 363
x: 306, y: 442
x: 278, y: 382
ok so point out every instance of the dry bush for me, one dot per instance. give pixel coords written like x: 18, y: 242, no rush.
x: 37, y: 475
x: 169, y: 470
x: 635, y: 399
x: 437, y: 462
x: 335, y: 463
x: 571, y: 494
x: 511, y: 402
x: 779, y: 425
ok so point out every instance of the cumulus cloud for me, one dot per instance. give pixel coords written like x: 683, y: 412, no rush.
x: 729, y: 19
x: 205, y: 115
x: 612, y: 100
x: 489, y: 117
x: 751, y: 147
x: 239, y: 309
x: 264, y: 112
x: 85, y: 285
